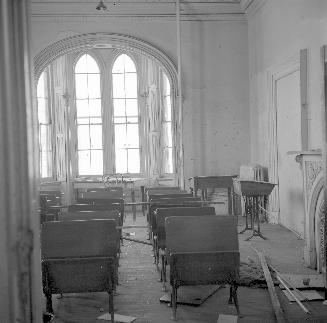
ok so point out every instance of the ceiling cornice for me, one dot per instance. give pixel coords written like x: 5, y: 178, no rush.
x: 250, y: 7
x: 207, y: 10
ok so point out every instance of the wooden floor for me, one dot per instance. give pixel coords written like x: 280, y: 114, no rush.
x: 139, y: 291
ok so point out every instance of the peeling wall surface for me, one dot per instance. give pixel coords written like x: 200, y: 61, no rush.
x: 215, y: 80
x: 278, y: 30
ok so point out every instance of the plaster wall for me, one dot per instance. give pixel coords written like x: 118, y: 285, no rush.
x: 215, y: 80
x: 278, y: 31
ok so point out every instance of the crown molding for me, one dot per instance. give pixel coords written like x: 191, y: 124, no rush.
x: 160, y: 17
x: 250, y: 7
x: 190, y: 10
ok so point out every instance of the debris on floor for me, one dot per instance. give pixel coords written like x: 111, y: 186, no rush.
x: 118, y: 318
x: 227, y: 318
x: 305, y: 281
x: 192, y: 295
x: 310, y: 295
x: 251, y: 275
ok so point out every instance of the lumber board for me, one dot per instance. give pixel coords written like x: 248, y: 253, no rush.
x: 279, y: 313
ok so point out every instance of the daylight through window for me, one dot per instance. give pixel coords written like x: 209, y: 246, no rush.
x: 45, y: 130
x: 88, y: 116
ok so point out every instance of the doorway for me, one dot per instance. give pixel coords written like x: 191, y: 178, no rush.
x: 288, y: 109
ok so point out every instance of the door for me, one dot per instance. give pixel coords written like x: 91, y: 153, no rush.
x: 288, y: 106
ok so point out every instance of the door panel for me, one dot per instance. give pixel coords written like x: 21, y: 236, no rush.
x: 289, y: 139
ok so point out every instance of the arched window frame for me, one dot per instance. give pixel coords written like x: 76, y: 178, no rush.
x: 115, y: 56
x: 172, y: 121
x: 81, y: 42
x: 101, y: 68
x: 50, y: 149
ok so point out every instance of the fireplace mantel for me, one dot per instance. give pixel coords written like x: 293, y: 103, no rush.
x: 311, y: 165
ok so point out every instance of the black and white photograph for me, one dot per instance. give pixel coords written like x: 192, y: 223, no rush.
x: 163, y: 161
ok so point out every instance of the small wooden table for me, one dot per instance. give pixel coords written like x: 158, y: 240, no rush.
x: 204, y: 182
x: 253, y: 193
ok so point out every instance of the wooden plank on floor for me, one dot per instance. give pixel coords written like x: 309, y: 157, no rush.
x: 227, y: 318
x: 279, y: 313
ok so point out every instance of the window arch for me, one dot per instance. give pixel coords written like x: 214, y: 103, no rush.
x: 88, y: 116
x: 83, y: 42
x: 125, y: 115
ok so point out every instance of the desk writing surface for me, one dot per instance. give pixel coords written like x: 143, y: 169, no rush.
x: 202, y: 182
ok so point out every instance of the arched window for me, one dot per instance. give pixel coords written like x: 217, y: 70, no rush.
x: 88, y: 116
x: 126, y: 115
x: 167, y: 141
x: 45, y: 129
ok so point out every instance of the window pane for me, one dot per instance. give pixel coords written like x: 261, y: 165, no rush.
x: 120, y: 136
x: 41, y: 110
x: 121, y: 161
x: 167, y: 138
x: 119, y: 65
x: 168, y: 160
x: 129, y: 64
x: 131, y: 85
x: 94, y: 86
x: 167, y: 108
x: 90, y: 162
x: 131, y: 107
x: 44, y: 137
x: 95, y: 107
x: 96, y: 136
x: 92, y: 65
x: 82, y: 108
x: 133, y: 160
x: 166, y: 85
x: 41, y: 86
x: 119, y: 107
x: 132, y: 136
x: 44, y: 165
x: 118, y: 86
x: 81, y: 86
x: 81, y: 65
x: 96, y: 167
x: 83, y: 137
x: 84, y: 162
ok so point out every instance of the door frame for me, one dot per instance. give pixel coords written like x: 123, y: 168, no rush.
x: 287, y: 67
